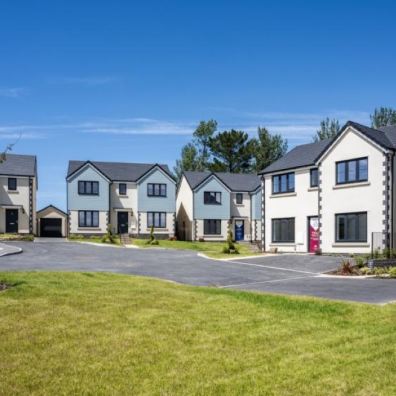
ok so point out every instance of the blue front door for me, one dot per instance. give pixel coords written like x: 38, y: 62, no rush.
x: 239, y: 230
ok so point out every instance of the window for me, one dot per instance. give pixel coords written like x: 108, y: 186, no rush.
x: 351, y: 227
x: 156, y: 190
x: 122, y: 188
x: 212, y: 227
x: 212, y: 198
x: 283, y: 183
x: 283, y: 230
x: 314, y: 178
x: 352, y: 171
x: 88, y: 218
x: 156, y: 219
x: 88, y: 187
x: 12, y: 184
x: 239, y: 198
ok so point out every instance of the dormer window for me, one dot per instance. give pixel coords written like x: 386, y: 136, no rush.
x: 352, y: 171
x: 283, y: 183
x: 12, y: 184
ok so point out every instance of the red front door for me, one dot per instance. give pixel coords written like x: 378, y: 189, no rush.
x: 313, y: 234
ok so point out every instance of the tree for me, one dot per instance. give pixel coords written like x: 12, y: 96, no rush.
x: 195, y: 156
x: 383, y: 116
x: 188, y: 161
x: 232, y: 151
x: 268, y: 148
x: 201, y: 140
x: 328, y: 129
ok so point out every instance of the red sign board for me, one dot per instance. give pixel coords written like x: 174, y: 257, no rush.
x: 313, y: 234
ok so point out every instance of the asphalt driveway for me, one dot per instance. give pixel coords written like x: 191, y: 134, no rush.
x: 286, y: 274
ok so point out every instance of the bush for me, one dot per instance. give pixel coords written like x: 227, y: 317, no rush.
x: 376, y: 254
x: 152, y: 240
x: 387, y: 253
x: 108, y: 237
x: 380, y: 271
x: 392, y: 272
x: 346, y: 268
x: 366, y: 271
x: 230, y: 248
x: 359, y: 260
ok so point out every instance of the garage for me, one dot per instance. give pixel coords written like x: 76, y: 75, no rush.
x: 52, y: 222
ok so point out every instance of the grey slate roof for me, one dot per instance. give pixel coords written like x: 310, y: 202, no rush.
x: 307, y: 154
x: 390, y: 132
x: 19, y: 165
x: 303, y: 155
x: 53, y: 207
x: 118, y: 171
x: 243, y: 182
x: 376, y: 135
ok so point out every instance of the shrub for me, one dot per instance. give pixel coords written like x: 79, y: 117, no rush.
x: 346, y: 268
x: 359, y: 260
x: 376, y: 254
x: 387, y: 253
x: 230, y: 248
x: 380, y: 271
x: 108, y: 237
x: 392, y: 272
x: 152, y: 240
x: 366, y: 271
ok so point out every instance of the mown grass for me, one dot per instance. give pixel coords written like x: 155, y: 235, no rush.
x: 211, y: 249
x: 97, y: 333
x: 16, y: 237
x: 95, y: 239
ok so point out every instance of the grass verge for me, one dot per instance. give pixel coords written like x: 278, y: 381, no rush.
x: 98, y: 333
x: 211, y: 249
x: 95, y: 239
x: 16, y: 237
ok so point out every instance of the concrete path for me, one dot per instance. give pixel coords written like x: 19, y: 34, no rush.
x: 6, y: 249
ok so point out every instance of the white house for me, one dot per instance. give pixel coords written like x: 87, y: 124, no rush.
x: 208, y: 205
x: 18, y: 188
x: 129, y: 198
x: 334, y: 196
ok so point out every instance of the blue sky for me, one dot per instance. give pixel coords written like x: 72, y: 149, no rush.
x: 128, y: 80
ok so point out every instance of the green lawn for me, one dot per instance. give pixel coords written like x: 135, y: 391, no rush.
x: 95, y: 239
x: 211, y: 249
x: 96, y: 333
